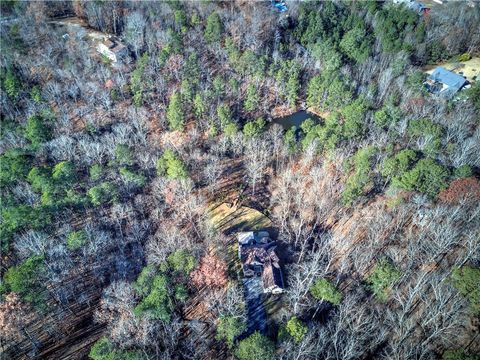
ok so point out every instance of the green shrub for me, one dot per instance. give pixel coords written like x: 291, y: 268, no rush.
x: 464, y: 57
x: 459, y: 354
x: 96, y: 172
x: 296, y: 329
x: 213, y: 29
x: 462, y: 171
x: 12, y: 85
x: 254, y: 128
x: 124, y: 155
x: 36, y: 94
x: 230, y: 129
x: 102, y: 193
x: 251, y: 98
x: 175, y: 112
x: 76, y: 239
x: 15, y: 164
x: 64, y: 173
x: 157, y: 303
x: 322, y: 289
x: 427, y: 177
x: 255, y: 347
x: 37, y: 130
x: 171, y: 166
x: 467, y: 281
x: 144, y: 281
x: 229, y: 328
x: 381, y: 280
x: 132, y: 178
x: 397, y: 165
x: 22, y: 217
x: 356, y: 183
x: 102, y: 350
x: 181, y: 261
x: 24, y: 279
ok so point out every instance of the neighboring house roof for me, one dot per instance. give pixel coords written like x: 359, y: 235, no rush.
x: 450, y: 82
x: 413, y: 5
x: 416, y: 6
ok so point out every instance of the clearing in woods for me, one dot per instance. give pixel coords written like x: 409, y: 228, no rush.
x: 230, y: 218
x: 470, y: 69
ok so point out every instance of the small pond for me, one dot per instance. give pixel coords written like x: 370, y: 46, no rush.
x: 295, y: 119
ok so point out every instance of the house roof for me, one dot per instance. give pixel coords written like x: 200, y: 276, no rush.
x: 114, y: 45
x: 258, y: 254
x: 272, y: 276
x: 255, y: 253
x: 416, y: 6
x: 453, y: 81
x: 252, y: 237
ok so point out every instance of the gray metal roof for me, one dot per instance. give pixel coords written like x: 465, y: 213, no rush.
x: 453, y: 82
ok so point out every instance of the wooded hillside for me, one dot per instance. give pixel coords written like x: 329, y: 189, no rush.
x: 127, y: 171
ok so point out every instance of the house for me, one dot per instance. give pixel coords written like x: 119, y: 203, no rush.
x: 418, y: 7
x: 444, y: 83
x: 279, y: 5
x: 257, y: 253
x: 413, y: 5
x: 113, y: 49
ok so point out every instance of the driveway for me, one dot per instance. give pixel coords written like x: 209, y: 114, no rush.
x: 256, y: 314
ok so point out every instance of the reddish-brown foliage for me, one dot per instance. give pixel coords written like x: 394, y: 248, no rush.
x: 211, y: 272
x: 463, y: 189
x: 13, y: 314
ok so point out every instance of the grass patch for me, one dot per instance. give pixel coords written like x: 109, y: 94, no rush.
x: 232, y: 219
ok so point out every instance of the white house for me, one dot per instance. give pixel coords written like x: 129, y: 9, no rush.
x: 112, y: 49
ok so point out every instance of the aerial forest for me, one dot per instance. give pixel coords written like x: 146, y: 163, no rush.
x: 143, y: 143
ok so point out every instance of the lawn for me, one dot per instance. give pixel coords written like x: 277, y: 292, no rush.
x: 229, y: 219
x: 469, y: 69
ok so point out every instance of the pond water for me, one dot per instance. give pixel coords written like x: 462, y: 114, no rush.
x: 295, y: 119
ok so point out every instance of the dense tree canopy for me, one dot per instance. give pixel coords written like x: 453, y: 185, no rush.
x: 139, y: 138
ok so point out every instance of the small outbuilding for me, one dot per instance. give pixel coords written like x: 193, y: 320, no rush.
x: 444, y: 83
